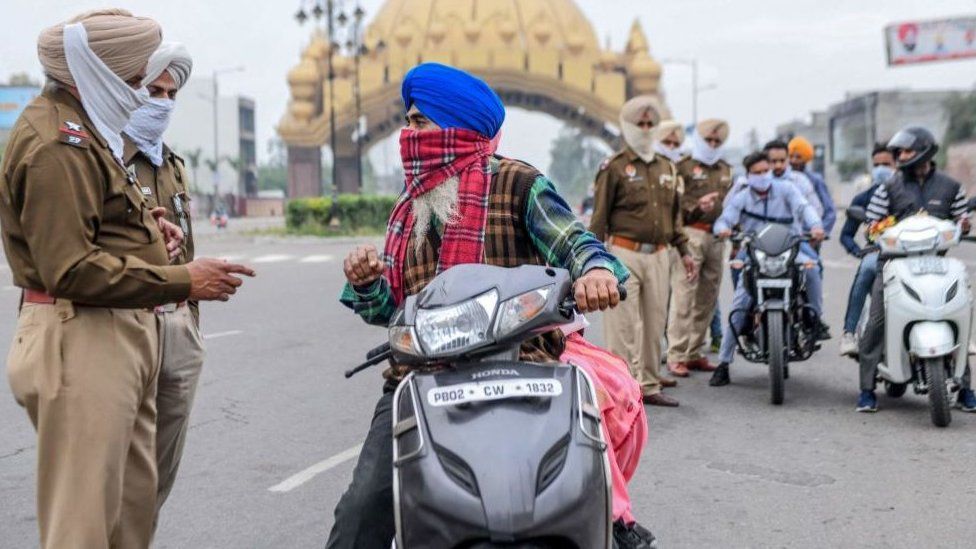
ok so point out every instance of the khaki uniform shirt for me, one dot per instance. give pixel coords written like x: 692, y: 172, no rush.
x: 75, y: 223
x: 166, y: 186
x: 699, y: 180
x: 639, y: 200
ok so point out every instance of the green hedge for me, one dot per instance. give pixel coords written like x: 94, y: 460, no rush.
x: 358, y: 214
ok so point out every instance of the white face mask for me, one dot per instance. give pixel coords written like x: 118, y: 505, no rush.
x: 642, y: 141
x: 705, y: 153
x: 108, y: 101
x: 673, y: 155
x: 147, y: 125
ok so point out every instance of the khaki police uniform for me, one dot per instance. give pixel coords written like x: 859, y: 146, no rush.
x: 693, y: 303
x: 81, y: 242
x: 637, y: 211
x: 183, y: 353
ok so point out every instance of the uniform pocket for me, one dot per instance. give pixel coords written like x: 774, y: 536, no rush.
x: 633, y: 194
x: 138, y: 214
x: 34, y: 363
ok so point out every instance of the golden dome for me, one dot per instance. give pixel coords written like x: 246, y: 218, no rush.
x: 644, y: 65
x: 415, y: 25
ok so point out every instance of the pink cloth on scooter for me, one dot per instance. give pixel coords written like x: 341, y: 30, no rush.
x: 624, y: 421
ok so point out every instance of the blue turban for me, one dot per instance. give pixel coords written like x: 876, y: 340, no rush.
x: 452, y: 98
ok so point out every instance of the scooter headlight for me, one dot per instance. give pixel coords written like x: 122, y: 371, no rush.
x: 458, y: 328
x: 516, y: 312
x: 773, y: 265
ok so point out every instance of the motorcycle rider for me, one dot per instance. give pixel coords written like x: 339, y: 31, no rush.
x: 767, y: 199
x: 917, y: 186
x: 461, y: 204
x: 882, y: 167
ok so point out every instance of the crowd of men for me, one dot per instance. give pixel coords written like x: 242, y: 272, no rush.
x: 107, y: 353
x: 667, y: 215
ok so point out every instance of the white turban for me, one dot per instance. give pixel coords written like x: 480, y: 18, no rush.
x: 173, y: 58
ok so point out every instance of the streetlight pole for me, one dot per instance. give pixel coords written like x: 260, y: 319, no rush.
x: 695, y: 88
x: 358, y: 19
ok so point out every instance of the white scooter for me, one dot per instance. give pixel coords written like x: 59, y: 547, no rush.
x: 928, y: 311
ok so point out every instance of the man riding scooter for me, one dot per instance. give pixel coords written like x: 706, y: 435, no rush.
x: 765, y: 200
x: 917, y: 186
x: 461, y: 204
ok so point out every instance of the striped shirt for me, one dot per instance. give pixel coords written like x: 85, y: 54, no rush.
x: 880, y: 205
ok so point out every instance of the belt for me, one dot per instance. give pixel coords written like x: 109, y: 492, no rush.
x: 635, y: 246
x: 707, y: 227
x: 42, y: 298
x: 168, y: 307
x: 39, y: 297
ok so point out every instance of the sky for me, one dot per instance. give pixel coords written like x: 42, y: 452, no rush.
x: 771, y: 61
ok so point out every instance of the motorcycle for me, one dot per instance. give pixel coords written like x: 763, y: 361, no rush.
x: 928, y: 310
x: 780, y: 327
x: 489, y: 451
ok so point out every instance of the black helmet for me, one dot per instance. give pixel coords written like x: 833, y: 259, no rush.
x: 914, y: 138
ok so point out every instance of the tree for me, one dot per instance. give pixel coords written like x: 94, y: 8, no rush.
x: 22, y: 79
x: 193, y: 158
x: 961, y: 112
x: 575, y: 159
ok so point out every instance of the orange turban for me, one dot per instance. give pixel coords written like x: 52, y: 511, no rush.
x: 122, y: 41
x: 801, y: 146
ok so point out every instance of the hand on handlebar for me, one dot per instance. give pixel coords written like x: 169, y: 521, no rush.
x: 596, y: 291
x: 817, y: 234
x: 724, y: 234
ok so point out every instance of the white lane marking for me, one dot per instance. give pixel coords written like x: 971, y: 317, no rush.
x: 8, y: 288
x: 231, y: 257
x: 215, y: 335
x: 272, y: 258
x: 302, y: 477
x: 316, y: 259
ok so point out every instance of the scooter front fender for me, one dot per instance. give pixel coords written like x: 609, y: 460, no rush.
x: 932, y: 339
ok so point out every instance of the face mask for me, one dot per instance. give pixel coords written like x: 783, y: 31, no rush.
x: 759, y: 182
x: 146, y: 127
x: 672, y: 154
x: 705, y: 153
x: 642, y: 141
x: 880, y: 174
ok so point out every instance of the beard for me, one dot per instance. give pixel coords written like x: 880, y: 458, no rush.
x: 440, y: 203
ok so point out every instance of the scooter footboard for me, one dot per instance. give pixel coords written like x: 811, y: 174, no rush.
x: 931, y: 339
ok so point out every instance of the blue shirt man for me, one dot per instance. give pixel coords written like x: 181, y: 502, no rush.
x: 765, y: 199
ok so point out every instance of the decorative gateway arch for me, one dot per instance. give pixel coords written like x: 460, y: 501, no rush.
x: 540, y: 55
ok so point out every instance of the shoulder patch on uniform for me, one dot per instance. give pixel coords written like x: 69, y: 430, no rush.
x: 606, y: 163
x: 73, y: 133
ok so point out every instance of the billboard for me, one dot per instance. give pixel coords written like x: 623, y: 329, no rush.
x: 13, y: 99
x: 913, y: 42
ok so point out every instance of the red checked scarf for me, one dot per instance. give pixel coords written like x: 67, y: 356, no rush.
x: 429, y: 159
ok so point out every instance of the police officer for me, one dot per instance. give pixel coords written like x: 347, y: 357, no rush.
x: 93, y: 262
x: 163, y: 181
x: 707, y: 179
x: 917, y: 186
x: 637, y: 211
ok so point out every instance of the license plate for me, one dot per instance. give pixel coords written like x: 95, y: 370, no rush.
x: 928, y: 265
x: 774, y: 283
x: 493, y: 390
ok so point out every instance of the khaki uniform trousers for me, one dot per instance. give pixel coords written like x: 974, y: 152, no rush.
x: 693, y: 303
x: 178, y: 376
x: 634, y: 329
x: 87, y: 378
